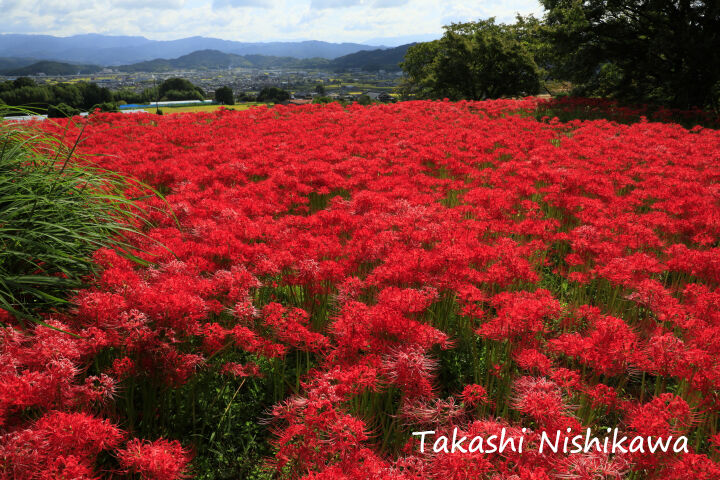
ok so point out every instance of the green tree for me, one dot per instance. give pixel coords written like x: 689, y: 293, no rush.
x: 224, y: 96
x: 245, y: 97
x: 79, y: 96
x: 419, y: 66
x: 93, y: 95
x: 175, y: 95
x: 150, y: 95
x: 320, y: 89
x: 24, y: 82
x: 473, y: 60
x: 128, y: 95
x: 106, y: 107
x: 37, y: 97
x: 62, y: 110
x: 535, y: 38
x: 272, y: 95
x: 66, y: 93
x: 180, y: 89
x: 654, y: 51
x: 364, y: 100
x: 323, y: 100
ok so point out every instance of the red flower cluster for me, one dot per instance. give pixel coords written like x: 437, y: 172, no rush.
x: 438, y: 265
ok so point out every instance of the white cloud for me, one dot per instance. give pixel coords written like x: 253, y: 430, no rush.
x: 219, y: 4
x: 151, y: 4
x: 390, y: 3
x: 9, y: 5
x: 323, y: 4
x: 327, y: 4
x: 252, y: 20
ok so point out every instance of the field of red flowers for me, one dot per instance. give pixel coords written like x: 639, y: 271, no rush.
x: 345, y: 276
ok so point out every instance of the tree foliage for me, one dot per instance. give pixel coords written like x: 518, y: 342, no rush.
x: 272, y: 94
x: 81, y: 96
x: 473, y: 60
x: 224, y: 96
x: 62, y: 110
x: 364, y: 100
x: 180, y: 89
x: 653, y: 51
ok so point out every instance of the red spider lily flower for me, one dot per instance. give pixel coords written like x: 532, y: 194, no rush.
x: 238, y: 370
x: 397, y: 251
x: 158, y: 460
x: 474, y: 395
x: 411, y: 370
x: 26, y: 453
x: 540, y: 399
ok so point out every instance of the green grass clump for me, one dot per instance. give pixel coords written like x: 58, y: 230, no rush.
x: 54, y: 213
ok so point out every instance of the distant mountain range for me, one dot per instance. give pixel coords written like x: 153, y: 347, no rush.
x: 214, y: 59
x: 49, y: 67
x: 380, y: 59
x: 108, y: 50
x: 7, y: 63
x: 368, y: 60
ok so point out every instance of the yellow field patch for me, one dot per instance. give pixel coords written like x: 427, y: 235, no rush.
x: 202, y: 108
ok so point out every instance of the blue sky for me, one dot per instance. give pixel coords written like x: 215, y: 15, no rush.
x: 252, y: 20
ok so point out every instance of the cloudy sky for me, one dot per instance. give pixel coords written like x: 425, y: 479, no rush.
x: 252, y: 20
